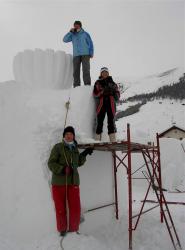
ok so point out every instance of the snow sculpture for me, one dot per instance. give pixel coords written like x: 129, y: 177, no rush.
x: 41, y: 69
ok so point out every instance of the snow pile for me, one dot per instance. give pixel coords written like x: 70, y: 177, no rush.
x: 43, y: 69
x: 26, y: 206
x: 173, y: 164
x: 32, y: 122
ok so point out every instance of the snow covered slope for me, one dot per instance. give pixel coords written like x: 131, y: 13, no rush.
x: 153, y: 117
x: 150, y: 83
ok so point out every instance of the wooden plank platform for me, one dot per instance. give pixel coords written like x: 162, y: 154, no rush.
x: 121, y: 146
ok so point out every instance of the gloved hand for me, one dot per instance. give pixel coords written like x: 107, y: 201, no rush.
x: 88, y: 151
x: 108, y: 92
x: 67, y: 170
x: 73, y: 30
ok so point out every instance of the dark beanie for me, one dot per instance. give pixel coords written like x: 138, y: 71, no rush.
x: 78, y: 23
x: 69, y: 129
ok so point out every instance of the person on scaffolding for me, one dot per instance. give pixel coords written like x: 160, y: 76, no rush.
x: 83, y: 50
x: 63, y: 162
x: 106, y: 95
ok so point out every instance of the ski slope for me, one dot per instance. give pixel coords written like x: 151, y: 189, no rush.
x: 32, y: 118
x: 149, y: 83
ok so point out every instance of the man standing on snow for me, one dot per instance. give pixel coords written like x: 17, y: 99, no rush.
x: 63, y: 162
x: 106, y: 94
x: 83, y: 50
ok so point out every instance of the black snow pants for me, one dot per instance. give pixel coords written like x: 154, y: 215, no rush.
x: 106, y: 109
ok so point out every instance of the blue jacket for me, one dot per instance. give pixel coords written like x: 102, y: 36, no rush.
x: 82, y: 43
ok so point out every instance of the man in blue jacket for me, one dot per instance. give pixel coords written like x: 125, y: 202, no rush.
x: 83, y: 50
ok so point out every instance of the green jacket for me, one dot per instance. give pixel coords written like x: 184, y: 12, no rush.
x: 57, y: 163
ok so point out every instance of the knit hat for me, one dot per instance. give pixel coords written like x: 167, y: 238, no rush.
x: 78, y: 23
x: 70, y: 130
x: 104, y: 69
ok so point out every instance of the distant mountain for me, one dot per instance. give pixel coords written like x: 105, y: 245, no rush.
x: 174, y: 91
x: 150, y: 83
x: 168, y: 72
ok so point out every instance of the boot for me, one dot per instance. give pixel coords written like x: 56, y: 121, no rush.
x: 98, y: 137
x: 112, y: 137
x: 63, y: 233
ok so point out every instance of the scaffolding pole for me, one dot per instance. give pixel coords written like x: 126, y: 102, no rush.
x: 129, y: 172
x: 115, y: 184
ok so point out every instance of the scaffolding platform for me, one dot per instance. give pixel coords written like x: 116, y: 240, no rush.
x: 121, y: 146
x: 122, y: 156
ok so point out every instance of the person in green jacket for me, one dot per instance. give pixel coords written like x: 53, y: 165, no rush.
x: 63, y: 162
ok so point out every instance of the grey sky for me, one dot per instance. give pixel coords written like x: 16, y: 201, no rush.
x: 132, y: 38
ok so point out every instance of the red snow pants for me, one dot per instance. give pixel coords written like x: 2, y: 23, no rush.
x: 72, y: 196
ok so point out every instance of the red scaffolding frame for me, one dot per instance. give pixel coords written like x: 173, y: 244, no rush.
x: 122, y: 156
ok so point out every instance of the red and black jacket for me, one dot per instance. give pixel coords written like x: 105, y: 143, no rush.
x: 100, y: 93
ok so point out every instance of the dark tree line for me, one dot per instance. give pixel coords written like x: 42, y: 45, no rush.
x: 174, y: 91
x: 129, y: 111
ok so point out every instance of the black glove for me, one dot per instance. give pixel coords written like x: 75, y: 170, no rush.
x: 73, y: 30
x: 87, y: 151
x: 108, y: 91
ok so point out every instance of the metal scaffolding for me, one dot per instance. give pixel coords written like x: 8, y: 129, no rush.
x: 122, y: 156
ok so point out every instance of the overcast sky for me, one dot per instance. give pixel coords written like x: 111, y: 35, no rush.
x: 132, y: 38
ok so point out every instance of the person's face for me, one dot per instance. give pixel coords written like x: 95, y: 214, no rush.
x: 77, y: 26
x: 105, y: 74
x: 69, y: 137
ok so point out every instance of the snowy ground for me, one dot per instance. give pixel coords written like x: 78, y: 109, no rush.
x: 151, y: 234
